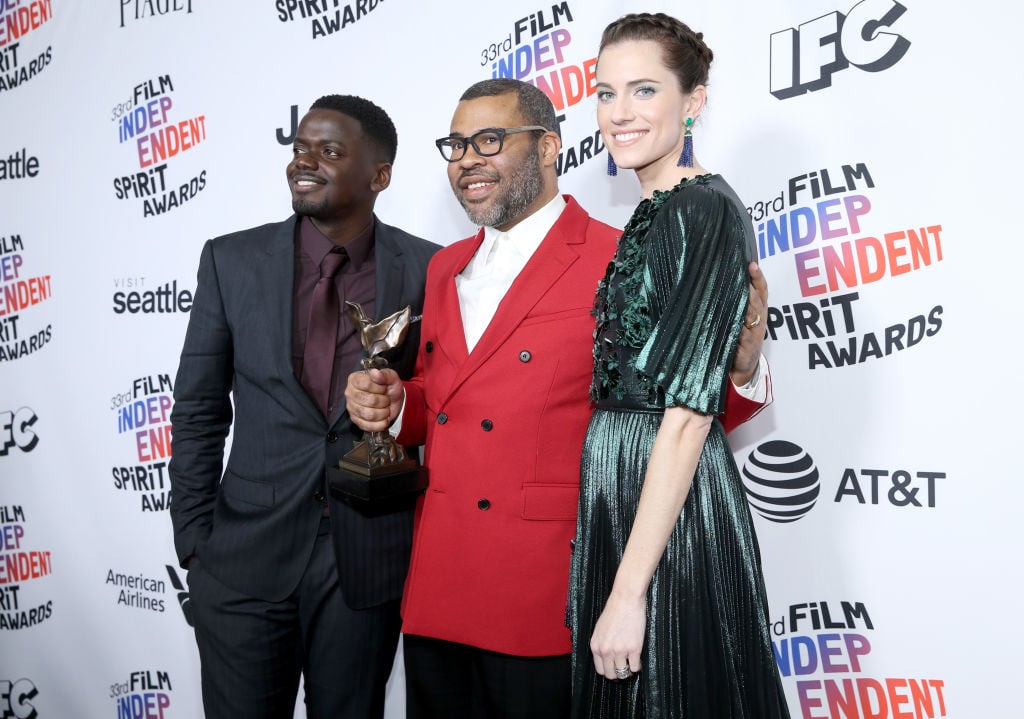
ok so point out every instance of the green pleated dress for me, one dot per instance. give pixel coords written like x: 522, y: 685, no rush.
x: 669, y: 313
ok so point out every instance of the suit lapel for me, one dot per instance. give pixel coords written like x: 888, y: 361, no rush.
x: 277, y: 265
x: 451, y: 333
x: 390, y: 279
x: 559, y: 250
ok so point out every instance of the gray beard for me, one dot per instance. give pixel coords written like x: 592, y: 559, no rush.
x: 523, y: 188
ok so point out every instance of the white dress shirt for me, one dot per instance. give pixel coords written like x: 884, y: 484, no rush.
x: 494, y: 267
x: 500, y: 258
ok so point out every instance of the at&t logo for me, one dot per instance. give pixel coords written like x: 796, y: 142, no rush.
x: 781, y: 481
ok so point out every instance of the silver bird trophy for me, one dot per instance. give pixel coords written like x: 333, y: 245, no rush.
x: 377, y: 467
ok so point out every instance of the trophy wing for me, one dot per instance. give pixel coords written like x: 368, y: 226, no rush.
x: 399, y: 327
x: 389, y: 332
x: 355, y: 312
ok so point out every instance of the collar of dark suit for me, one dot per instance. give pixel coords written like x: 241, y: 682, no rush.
x: 315, y: 245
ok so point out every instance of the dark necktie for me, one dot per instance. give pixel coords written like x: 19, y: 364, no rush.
x: 322, y: 333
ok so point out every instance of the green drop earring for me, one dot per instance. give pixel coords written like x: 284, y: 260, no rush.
x: 686, y: 158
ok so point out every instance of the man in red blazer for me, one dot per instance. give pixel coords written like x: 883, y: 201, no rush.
x: 500, y: 401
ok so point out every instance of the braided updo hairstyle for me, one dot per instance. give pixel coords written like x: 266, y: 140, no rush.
x: 683, y: 50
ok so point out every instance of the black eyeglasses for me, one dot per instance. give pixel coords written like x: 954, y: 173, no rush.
x: 486, y: 142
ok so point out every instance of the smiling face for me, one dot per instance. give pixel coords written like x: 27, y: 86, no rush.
x: 336, y: 171
x: 642, y: 111
x: 500, y: 190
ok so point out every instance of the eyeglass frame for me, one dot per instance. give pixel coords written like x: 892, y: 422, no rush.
x: 471, y: 140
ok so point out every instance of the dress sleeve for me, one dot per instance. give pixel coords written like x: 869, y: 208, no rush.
x: 696, y: 282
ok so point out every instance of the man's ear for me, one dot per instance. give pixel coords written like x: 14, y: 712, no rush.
x: 383, y: 177
x: 550, y: 146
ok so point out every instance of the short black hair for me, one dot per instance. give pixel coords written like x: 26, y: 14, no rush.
x: 372, y: 119
x: 533, y: 103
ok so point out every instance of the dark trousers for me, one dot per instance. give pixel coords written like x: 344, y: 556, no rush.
x: 252, y: 651
x: 444, y: 680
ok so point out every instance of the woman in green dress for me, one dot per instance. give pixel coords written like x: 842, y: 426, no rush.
x: 669, y: 613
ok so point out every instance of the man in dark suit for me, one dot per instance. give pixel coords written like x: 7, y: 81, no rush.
x: 273, y: 596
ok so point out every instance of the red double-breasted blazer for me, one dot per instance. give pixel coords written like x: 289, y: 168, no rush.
x: 503, y: 427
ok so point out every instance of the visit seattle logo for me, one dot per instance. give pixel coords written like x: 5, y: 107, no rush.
x: 538, y: 49
x: 158, y: 133
x: 133, y: 296
x: 143, y: 414
x: 823, y: 649
x: 822, y: 221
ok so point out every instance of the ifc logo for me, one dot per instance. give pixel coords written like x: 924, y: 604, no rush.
x: 781, y: 481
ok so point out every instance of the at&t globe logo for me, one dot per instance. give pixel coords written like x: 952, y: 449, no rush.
x: 781, y: 481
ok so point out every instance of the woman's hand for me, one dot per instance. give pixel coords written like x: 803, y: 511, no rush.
x: 619, y: 636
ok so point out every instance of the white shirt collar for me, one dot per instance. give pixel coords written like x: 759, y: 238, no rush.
x: 524, y: 237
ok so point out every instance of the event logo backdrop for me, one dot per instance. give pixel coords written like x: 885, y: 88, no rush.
x: 148, y: 122
x: 143, y: 414
x: 881, y: 479
x: 16, y: 698
x: 21, y: 568
x: 22, y: 57
x: 805, y: 59
x: 133, y: 10
x: 21, y: 292
x: 781, y: 480
x: 540, y: 50
x: 145, y: 694
x: 819, y: 642
x: 16, y: 430
x: 324, y: 17
x: 821, y: 220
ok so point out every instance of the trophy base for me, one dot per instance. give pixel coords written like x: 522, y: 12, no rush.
x: 356, y: 478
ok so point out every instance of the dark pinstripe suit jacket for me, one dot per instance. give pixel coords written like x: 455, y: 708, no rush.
x: 252, y: 523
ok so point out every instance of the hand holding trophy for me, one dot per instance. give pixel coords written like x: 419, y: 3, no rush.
x: 377, y: 467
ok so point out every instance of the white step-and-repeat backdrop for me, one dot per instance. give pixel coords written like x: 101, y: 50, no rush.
x: 875, y: 142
